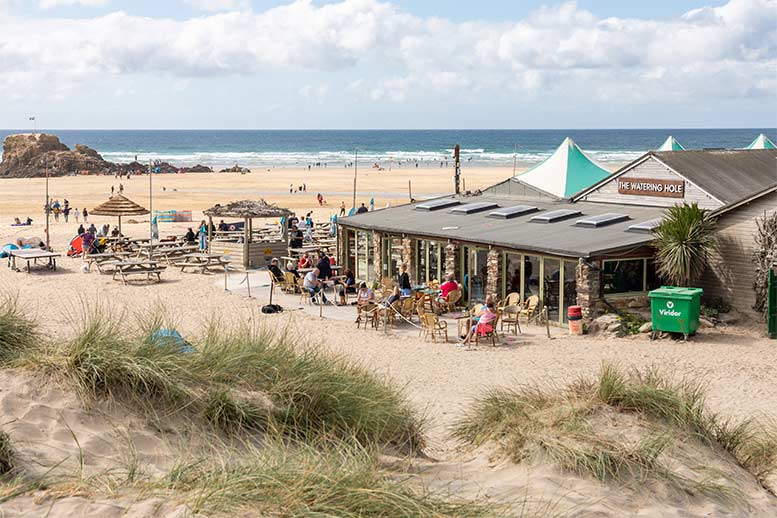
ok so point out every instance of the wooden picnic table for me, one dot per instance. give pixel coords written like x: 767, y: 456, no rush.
x: 105, y: 258
x: 168, y: 252
x: 33, y: 254
x: 128, y: 268
x: 203, y: 262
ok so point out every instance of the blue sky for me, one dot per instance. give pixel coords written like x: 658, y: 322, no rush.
x: 402, y: 64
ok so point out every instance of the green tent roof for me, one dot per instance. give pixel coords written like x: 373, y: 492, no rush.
x: 671, y: 144
x: 761, y: 142
x: 567, y: 171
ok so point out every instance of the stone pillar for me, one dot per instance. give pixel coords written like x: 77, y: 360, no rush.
x: 494, y: 267
x: 408, y: 258
x: 452, y: 261
x: 588, y: 279
x: 377, y: 256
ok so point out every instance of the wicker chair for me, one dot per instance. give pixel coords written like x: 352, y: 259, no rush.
x: 529, y: 309
x: 449, y: 304
x: 289, y: 283
x: 512, y: 299
x: 431, y: 325
x: 510, y: 318
x: 491, y: 335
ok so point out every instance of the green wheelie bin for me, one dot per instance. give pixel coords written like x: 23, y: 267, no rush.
x: 674, y: 309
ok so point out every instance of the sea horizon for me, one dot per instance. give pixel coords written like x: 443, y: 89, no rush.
x: 391, y: 148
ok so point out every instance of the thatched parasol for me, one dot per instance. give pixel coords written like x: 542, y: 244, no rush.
x: 119, y: 205
x: 247, y: 209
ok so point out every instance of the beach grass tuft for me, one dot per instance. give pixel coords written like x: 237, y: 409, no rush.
x: 18, y: 333
x: 6, y: 454
x: 573, y: 427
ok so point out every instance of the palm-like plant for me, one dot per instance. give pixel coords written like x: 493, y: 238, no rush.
x: 684, y: 241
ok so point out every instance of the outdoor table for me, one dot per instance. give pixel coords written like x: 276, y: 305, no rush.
x: 167, y: 252
x: 125, y: 269
x: 101, y: 260
x: 203, y: 262
x: 33, y: 255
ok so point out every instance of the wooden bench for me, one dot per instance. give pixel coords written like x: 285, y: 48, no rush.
x: 150, y: 269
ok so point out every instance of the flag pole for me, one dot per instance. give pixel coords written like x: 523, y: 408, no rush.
x: 150, y: 212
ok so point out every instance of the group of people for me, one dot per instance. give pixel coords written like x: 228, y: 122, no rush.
x: 314, y: 276
x: 56, y: 209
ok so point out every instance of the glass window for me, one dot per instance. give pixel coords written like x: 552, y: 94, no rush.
x: 420, y: 261
x: 551, y: 291
x: 531, y: 276
x: 623, y: 276
x: 434, y: 258
x: 512, y: 278
x: 350, y: 255
x: 651, y: 276
x: 478, y: 275
x: 570, y: 287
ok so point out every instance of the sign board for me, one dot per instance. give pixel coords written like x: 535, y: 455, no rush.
x: 651, y: 187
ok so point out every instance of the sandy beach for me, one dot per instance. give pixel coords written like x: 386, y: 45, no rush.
x: 736, y: 362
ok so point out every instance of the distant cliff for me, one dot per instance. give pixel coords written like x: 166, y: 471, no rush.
x: 27, y: 155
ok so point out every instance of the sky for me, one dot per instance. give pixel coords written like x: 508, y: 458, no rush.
x: 353, y: 64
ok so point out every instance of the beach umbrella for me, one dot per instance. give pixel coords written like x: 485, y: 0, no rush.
x: 761, y: 142
x: 671, y: 144
x: 119, y: 205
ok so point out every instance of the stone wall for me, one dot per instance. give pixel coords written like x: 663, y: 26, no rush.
x: 452, y: 260
x: 408, y: 258
x: 588, y: 278
x: 377, y: 256
x: 494, y: 270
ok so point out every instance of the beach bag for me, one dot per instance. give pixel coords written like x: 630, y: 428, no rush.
x: 271, y: 308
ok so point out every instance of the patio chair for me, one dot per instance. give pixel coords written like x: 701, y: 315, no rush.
x: 491, y: 335
x: 289, y: 283
x: 510, y: 318
x: 512, y: 299
x: 368, y: 316
x: 431, y: 325
x: 388, y: 315
x: 407, y: 308
x: 529, y: 309
x: 449, y: 304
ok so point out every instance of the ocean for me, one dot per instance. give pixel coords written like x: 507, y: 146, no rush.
x: 335, y: 148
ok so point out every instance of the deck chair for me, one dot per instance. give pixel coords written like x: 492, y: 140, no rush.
x: 431, y: 325
x: 491, y: 335
x: 529, y: 309
x: 449, y: 304
x: 510, y: 318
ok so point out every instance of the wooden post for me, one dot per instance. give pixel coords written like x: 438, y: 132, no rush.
x: 210, y: 233
x: 409, y: 191
x: 246, y: 236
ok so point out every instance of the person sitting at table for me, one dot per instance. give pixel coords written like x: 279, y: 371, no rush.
x: 305, y: 262
x: 324, y: 266
x: 365, y: 299
x: 448, y: 286
x: 313, y: 285
x: 115, y: 232
x: 275, y: 271
x: 80, y: 230
x: 483, y: 324
x: 222, y: 226
x: 395, y: 295
x: 404, y: 282
x: 348, y: 285
x: 190, y: 236
x: 292, y: 268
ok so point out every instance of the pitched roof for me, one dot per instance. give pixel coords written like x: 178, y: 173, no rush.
x: 119, y: 205
x: 729, y: 175
x: 563, y: 238
x: 761, y: 142
x: 567, y: 171
x: 671, y: 144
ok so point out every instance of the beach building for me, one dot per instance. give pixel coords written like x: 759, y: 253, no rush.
x: 591, y: 249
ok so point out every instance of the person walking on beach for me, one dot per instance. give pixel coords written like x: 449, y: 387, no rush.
x: 121, y: 188
x: 291, y: 189
x: 76, y: 214
x: 202, y: 234
x: 372, y: 204
x: 342, y: 208
x: 66, y: 212
x: 86, y: 216
x: 112, y: 189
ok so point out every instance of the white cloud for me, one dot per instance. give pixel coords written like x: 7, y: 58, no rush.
x: 727, y: 51
x: 215, y: 6
x: 49, y: 4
